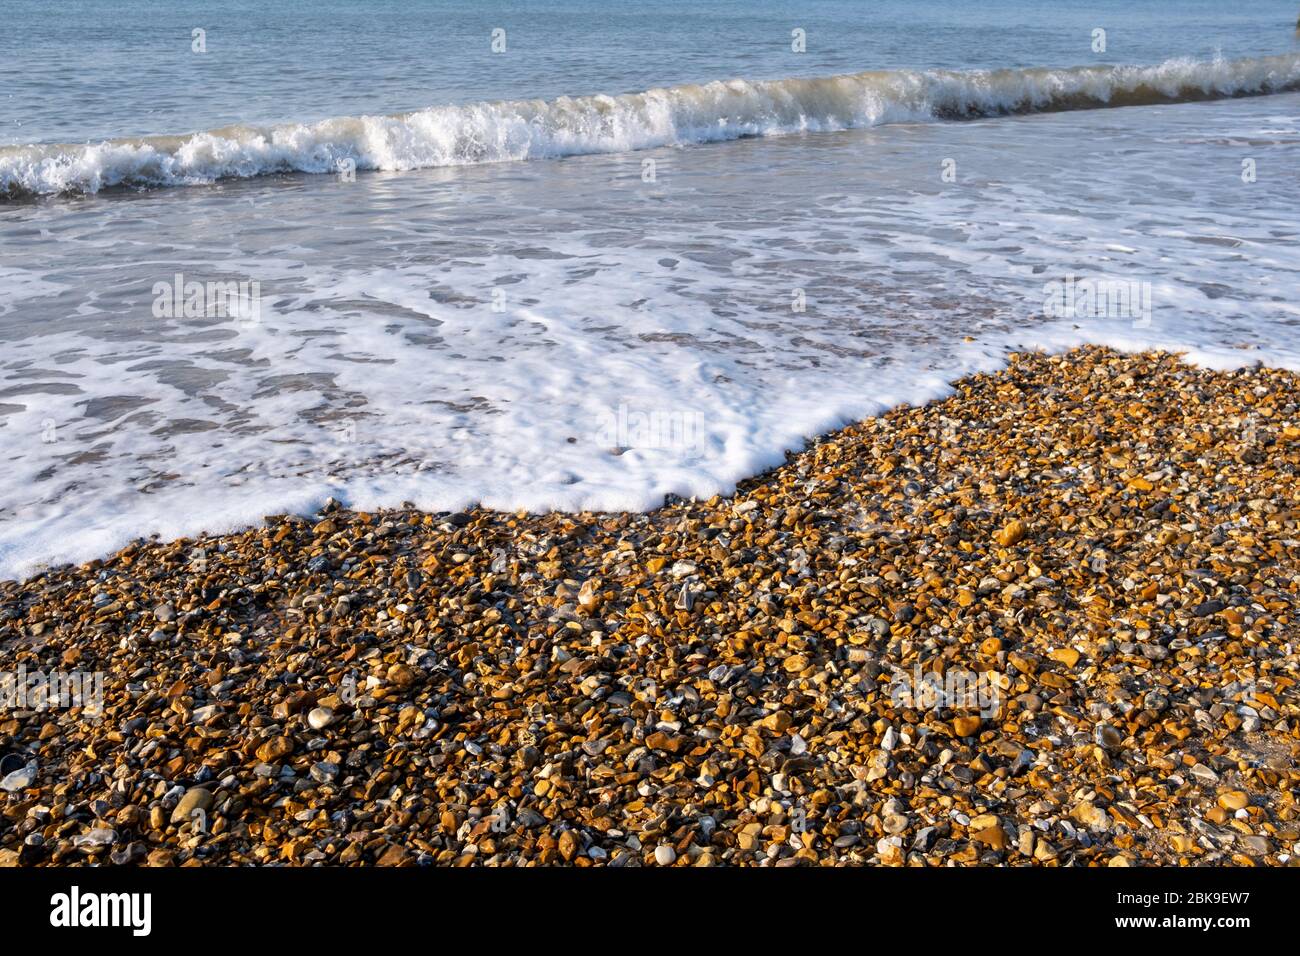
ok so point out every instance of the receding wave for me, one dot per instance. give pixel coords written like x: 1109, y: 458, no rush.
x: 679, y: 115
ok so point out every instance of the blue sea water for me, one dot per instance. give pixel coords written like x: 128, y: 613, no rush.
x: 97, y: 69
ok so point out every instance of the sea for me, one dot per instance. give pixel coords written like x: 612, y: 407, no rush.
x: 576, y: 255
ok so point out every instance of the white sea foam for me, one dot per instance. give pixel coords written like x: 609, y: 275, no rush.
x: 382, y: 372
x: 672, y: 116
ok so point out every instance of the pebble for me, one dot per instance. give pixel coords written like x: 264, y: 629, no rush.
x: 1204, y: 774
x: 895, y: 823
x: 274, y: 749
x: 196, y: 798
x: 1108, y: 738
x: 20, y: 779
x: 1233, y: 800
x: 568, y: 845
x: 94, y: 840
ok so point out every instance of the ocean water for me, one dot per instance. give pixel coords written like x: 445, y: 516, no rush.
x: 347, y: 249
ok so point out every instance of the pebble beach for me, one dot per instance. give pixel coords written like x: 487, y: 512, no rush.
x: 1107, y: 544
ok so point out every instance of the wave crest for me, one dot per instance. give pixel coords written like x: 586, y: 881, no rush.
x: 679, y: 115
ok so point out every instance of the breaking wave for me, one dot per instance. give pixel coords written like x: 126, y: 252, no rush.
x: 678, y: 115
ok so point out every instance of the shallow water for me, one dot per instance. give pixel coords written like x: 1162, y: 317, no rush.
x: 598, y: 331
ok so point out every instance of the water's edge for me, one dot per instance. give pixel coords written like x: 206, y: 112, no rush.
x: 310, y: 503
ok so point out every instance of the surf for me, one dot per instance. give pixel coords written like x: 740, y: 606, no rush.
x: 519, y: 130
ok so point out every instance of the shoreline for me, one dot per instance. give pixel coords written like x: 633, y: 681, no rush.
x: 306, y: 503
x: 1105, y: 542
